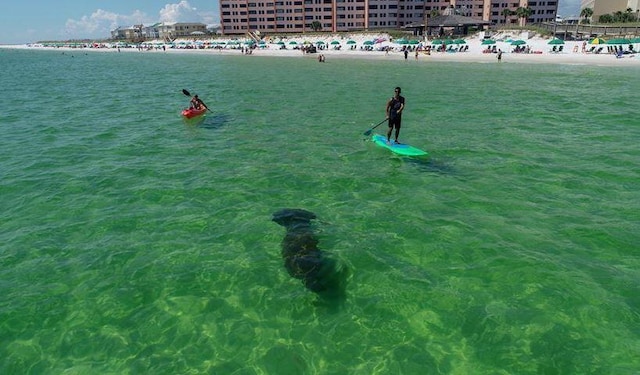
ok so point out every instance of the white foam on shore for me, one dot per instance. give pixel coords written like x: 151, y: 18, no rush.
x: 541, y: 51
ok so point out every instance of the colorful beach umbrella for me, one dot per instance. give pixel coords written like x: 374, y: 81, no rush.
x: 556, y: 41
x: 597, y: 41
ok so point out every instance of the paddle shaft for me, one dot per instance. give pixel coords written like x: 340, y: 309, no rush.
x: 370, y: 130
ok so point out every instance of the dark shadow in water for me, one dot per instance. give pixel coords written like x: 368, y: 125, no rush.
x: 216, y: 121
x: 318, y: 271
x: 431, y: 165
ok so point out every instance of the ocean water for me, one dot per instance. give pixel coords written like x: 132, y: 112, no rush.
x: 132, y: 242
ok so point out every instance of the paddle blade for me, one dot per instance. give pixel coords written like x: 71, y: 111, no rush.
x: 186, y: 92
x: 368, y: 132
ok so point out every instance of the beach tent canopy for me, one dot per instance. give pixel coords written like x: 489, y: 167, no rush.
x: 619, y: 41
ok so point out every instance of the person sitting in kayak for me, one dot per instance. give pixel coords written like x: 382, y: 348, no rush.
x: 198, y: 104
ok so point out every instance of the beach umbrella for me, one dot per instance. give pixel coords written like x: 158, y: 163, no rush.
x: 413, y: 41
x: 556, y: 41
x: 619, y: 41
x: 280, y: 43
x: 402, y: 41
x: 635, y: 40
x: 597, y: 41
x: 518, y: 42
x: 351, y: 42
x: 459, y: 41
x: 335, y: 42
x: 293, y: 42
x: 488, y: 41
x: 437, y: 42
x: 319, y: 42
x: 368, y: 43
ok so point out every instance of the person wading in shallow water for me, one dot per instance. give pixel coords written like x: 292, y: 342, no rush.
x: 395, y: 106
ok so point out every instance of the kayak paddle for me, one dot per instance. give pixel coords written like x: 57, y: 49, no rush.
x: 368, y: 132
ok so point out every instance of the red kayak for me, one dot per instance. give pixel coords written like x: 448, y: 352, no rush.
x: 193, y: 113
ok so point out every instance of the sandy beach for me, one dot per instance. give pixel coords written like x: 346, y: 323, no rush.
x: 535, y: 49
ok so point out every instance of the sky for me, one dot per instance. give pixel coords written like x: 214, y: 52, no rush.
x: 28, y: 21
x: 568, y: 8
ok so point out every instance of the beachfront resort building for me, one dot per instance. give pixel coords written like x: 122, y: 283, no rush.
x: 172, y: 30
x: 300, y: 16
x: 601, y: 7
x: 135, y: 32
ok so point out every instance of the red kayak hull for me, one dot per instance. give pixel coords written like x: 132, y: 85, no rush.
x: 192, y: 112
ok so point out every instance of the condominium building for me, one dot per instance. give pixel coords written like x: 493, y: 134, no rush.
x: 601, y: 7
x: 180, y: 29
x: 300, y: 16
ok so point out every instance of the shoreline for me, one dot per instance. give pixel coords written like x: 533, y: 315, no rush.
x: 542, y: 53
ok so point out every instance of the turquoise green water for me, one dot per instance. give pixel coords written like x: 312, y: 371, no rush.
x: 133, y: 243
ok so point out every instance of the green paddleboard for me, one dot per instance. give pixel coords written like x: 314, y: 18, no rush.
x: 398, y: 148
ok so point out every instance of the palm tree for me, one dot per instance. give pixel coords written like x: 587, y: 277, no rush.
x: 506, y: 13
x: 523, y: 13
x: 585, y: 13
x: 316, y: 26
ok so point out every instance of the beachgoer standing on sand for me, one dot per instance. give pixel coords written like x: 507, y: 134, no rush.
x: 395, y: 106
x: 499, y: 55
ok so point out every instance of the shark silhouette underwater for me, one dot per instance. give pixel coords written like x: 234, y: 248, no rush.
x: 303, y: 259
